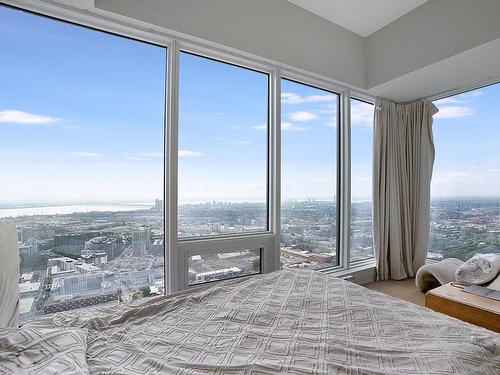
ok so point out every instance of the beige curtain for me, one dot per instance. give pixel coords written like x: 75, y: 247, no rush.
x: 402, y: 170
x: 9, y: 275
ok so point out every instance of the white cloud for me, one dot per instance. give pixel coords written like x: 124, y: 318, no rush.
x: 143, y: 156
x: 302, y: 116
x: 471, y: 94
x: 151, y: 154
x: 361, y: 114
x: 85, y: 154
x: 11, y: 116
x: 71, y: 127
x: 454, y: 112
x: 451, y: 100
x: 288, y: 126
x: 251, y: 185
x: 237, y: 142
x: 285, y: 126
x: 189, y: 154
x: 292, y: 98
x: 450, y: 175
x: 260, y: 127
x: 331, y: 124
x: 459, y: 99
x: 135, y: 158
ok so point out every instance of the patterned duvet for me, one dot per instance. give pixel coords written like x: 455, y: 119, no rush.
x: 286, y: 322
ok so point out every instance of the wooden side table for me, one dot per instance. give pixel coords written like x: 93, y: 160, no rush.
x: 452, y: 301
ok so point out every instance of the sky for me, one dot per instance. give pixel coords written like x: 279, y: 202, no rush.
x: 466, y: 134
x: 308, y: 142
x: 81, y: 113
x: 81, y: 120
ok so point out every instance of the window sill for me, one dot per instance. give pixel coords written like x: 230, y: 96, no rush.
x: 362, y: 272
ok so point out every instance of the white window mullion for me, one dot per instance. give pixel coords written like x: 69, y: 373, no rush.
x: 271, y: 258
x: 175, y: 265
x: 344, y: 199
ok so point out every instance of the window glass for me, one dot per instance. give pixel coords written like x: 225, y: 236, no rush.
x: 361, y: 180
x: 465, y: 189
x: 223, y: 143
x: 81, y: 170
x: 221, y: 266
x: 309, y: 176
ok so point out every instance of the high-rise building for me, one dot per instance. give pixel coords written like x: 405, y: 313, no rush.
x: 141, y: 241
x: 158, y: 205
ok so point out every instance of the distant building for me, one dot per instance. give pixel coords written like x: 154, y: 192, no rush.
x: 158, y: 246
x: 26, y: 277
x: 311, y: 257
x: 201, y: 277
x: 65, y: 265
x: 95, y: 258
x: 141, y: 241
x: 29, y: 289
x: 158, y: 205
x: 25, y: 307
x: 87, y: 299
x: 78, y: 283
x: 37, y: 232
x: 77, y: 239
x: 29, y: 248
x: 111, y: 245
x: 69, y: 278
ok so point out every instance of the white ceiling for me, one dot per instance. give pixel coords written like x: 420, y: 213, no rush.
x: 363, y: 17
x: 474, y: 67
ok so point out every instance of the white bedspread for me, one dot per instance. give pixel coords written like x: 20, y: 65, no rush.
x: 286, y: 322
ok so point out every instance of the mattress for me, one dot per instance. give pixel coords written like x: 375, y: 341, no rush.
x: 285, y: 322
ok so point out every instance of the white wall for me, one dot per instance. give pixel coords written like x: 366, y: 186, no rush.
x: 273, y: 29
x: 432, y: 49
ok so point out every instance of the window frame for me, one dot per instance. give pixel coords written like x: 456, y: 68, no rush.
x: 257, y: 68
x: 67, y: 15
x: 180, y: 249
x: 339, y: 177
x: 365, y: 100
x: 176, y: 250
x: 446, y: 95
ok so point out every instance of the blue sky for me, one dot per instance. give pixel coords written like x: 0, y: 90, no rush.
x: 467, y: 140
x: 81, y: 113
x: 308, y: 142
x: 81, y: 119
x: 222, y: 109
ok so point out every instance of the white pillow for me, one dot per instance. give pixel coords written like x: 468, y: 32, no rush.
x: 479, y: 269
x: 43, y: 351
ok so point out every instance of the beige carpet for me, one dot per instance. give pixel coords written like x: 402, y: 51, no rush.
x: 403, y: 289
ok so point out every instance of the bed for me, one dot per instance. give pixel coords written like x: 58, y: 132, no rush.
x: 285, y: 322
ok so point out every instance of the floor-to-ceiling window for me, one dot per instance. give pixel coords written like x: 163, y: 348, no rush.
x: 82, y: 123
x: 81, y: 170
x: 223, y: 162
x: 309, y: 128
x: 361, y: 180
x: 465, y: 190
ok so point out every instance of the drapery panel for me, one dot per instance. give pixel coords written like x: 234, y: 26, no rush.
x: 402, y: 170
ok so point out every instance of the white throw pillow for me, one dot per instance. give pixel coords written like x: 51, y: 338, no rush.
x: 479, y: 269
x: 43, y: 351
